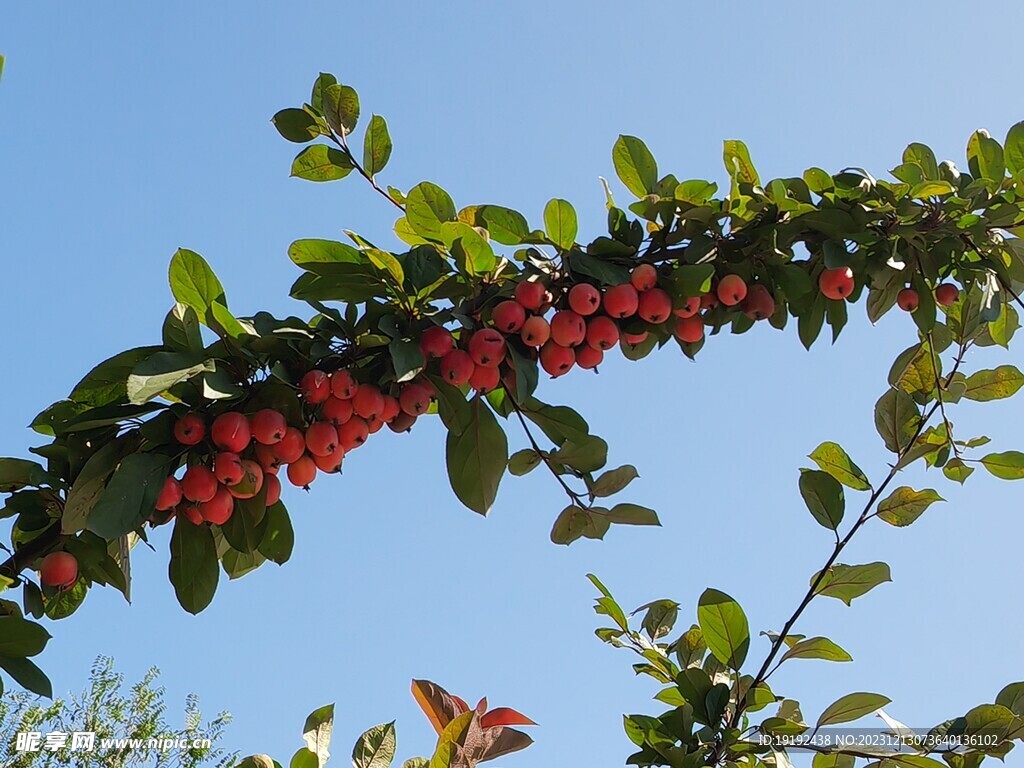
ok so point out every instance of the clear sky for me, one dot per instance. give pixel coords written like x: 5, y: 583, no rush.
x: 130, y: 129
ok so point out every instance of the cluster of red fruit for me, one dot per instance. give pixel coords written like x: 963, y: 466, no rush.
x: 581, y: 331
x: 838, y: 284
x: 249, y: 451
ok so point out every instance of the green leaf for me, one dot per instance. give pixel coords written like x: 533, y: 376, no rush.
x: 614, y: 480
x: 851, y: 707
x: 1012, y: 697
x: 738, y: 163
x: 561, y: 223
x: 833, y: 760
x: 416, y: 762
x: 632, y: 514
x: 831, y: 458
x: 846, y: 582
x: 406, y: 358
x: 375, y: 748
x: 181, y: 329
x: 161, y: 371
x: 1014, y: 149
x: 996, y: 384
x: 574, y: 522
x: 956, y: 470
x: 315, y: 255
x: 193, y: 569
x: 602, y: 271
x: 321, y: 163
x: 448, y: 744
x: 303, y: 758
x: 472, y: 253
x: 824, y: 497
x: 587, y: 455
x: 341, y: 108
x: 26, y: 674
x: 558, y: 422
x: 296, y: 125
x: 427, y: 207
x: 452, y: 406
x: 317, y: 732
x: 810, y: 322
x: 985, y: 159
x: 905, y: 505
x: 524, y: 461
x: 817, y: 648
x: 896, y: 419
x: 278, y: 537
x: 246, y: 527
x: 130, y: 496
x: 506, y: 226
x: 928, y: 189
x: 724, y: 626
x: 635, y: 165
x: 1008, y: 465
x: 324, y: 81
x: 194, y: 284
x: 477, y: 458
x: 20, y: 638
x: 922, y: 156
x: 16, y: 474
x: 376, y: 146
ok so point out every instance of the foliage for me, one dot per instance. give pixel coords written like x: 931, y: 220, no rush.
x: 466, y: 737
x: 112, y: 713
x: 940, y: 243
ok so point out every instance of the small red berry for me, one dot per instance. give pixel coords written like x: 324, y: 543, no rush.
x: 487, y: 347
x: 655, y: 306
x: 391, y: 409
x: 273, y: 489
x: 908, y: 300
x: 251, y: 483
x: 189, y: 429
x: 227, y: 468
x: 230, y: 432
x: 644, y: 277
x: 268, y: 426
x: 635, y: 338
x: 602, y: 333
x: 436, y: 342
x: 291, y: 447
x: 584, y: 299
x: 690, y: 307
x: 199, y: 483
x: 218, y: 509
x: 343, y: 385
x: 556, y: 360
x: 947, y: 295
x: 568, y: 329
x: 732, y: 289
x: 530, y: 294
x: 759, y: 303
x: 836, y: 284
x: 588, y: 357
x: 456, y: 367
x: 322, y: 439
x: 353, y: 433
x: 368, y: 401
x: 484, y: 379
x: 535, y: 332
x: 170, y: 495
x: 336, y: 410
x: 415, y: 398
x: 315, y: 387
x: 302, y: 472
x: 59, y: 570
x: 508, y: 316
x: 690, y: 329
x: 621, y: 301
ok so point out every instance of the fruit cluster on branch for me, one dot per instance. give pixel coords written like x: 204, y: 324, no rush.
x: 461, y: 322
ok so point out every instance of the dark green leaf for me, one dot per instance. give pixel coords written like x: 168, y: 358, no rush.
x: 193, y: 569
x: 824, y: 497
x: 724, y: 626
x: 376, y: 146
x: 846, y: 582
x: 341, y: 108
x: 296, y: 125
x: 477, y: 458
x: 851, y: 707
x: 635, y: 165
x: 130, y: 496
x: 321, y: 163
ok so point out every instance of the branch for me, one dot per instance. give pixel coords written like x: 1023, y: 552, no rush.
x: 837, y: 550
x: 343, y: 146
x: 576, y: 498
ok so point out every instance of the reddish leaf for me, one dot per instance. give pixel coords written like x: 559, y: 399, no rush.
x: 481, y: 706
x: 462, y: 705
x: 504, y: 716
x: 437, y: 704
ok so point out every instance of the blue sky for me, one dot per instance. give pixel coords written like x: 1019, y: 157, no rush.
x: 129, y: 130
